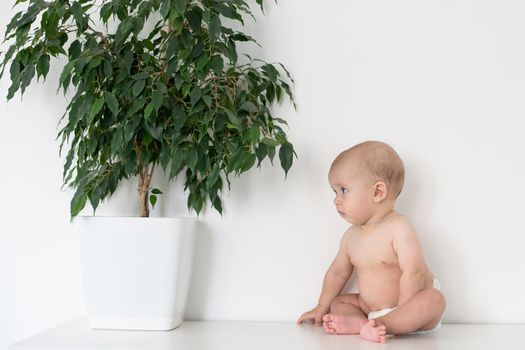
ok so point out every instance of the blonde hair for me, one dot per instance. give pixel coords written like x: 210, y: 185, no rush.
x: 378, y: 161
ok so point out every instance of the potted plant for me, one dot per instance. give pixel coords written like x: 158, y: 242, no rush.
x: 157, y: 84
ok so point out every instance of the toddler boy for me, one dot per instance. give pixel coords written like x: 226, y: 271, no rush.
x: 398, y: 294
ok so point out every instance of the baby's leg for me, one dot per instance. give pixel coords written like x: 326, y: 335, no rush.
x: 347, y: 315
x: 422, y: 312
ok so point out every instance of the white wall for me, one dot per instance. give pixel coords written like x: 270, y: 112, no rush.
x: 441, y: 81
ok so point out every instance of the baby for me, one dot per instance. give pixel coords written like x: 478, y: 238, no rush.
x: 398, y: 293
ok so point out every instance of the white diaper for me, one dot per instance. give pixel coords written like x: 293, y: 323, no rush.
x: 383, y: 312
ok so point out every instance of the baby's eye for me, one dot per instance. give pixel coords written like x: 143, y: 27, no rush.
x: 344, y: 189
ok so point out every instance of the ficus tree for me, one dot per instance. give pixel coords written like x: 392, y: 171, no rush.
x: 156, y: 83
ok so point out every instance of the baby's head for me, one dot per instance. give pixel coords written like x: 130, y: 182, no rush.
x: 365, y: 176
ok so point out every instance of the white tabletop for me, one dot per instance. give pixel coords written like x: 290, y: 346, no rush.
x: 76, y: 335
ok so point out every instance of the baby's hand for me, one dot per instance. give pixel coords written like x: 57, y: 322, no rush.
x: 315, y: 315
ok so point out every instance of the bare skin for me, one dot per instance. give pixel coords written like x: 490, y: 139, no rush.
x: 372, y: 254
x: 383, y: 248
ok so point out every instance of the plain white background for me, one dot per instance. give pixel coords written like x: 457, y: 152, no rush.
x: 443, y: 82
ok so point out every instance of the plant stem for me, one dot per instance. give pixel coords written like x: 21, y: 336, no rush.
x: 145, y: 176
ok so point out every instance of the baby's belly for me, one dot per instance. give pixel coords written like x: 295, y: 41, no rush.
x: 379, y: 290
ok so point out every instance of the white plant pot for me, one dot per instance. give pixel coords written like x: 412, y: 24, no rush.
x: 136, y: 271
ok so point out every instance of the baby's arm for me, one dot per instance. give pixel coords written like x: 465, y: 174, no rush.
x: 411, y: 261
x: 334, y: 281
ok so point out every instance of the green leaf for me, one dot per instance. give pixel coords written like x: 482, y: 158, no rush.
x: 66, y: 72
x: 148, y: 110
x: 286, y: 156
x: 194, y: 19
x: 270, y: 142
x: 76, y: 8
x: 94, y: 198
x: 271, y: 153
x: 172, y: 67
x: 248, y: 162
x: 156, y: 191
x: 140, y: 76
x: 236, y: 160
x: 233, y: 118
x: 155, y: 131
x: 242, y: 37
x: 172, y: 47
x: 147, y: 139
x: 124, y: 30
x: 249, y: 107
x: 138, y: 25
x: 253, y: 134
x: 195, y: 95
x: 193, y: 157
x: 271, y: 72
x: 156, y: 100
x: 111, y: 102
x: 260, y: 2
x: 228, y: 12
x: 28, y: 75
x: 165, y: 8
x: 117, y: 141
x: 187, y: 39
x: 153, y: 200
x: 186, y: 87
x: 42, y: 67
x: 212, y: 178
x: 138, y: 87
x: 214, y: 28
x: 207, y: 100
x: 15, y: 70
x: 180, y: 6
x: 179, y: 117
x: 105, y: 12
x: 136, y: 106
x: 108, y: 69
x: 201, y: 62
x: 96, y: 108
x: 184, y: 54
x: 75, y: 49
x: 217, y: 64
x: 217, y: 205
x: 177, y: 162
x: 78, y: 202
x: 129, y: 132
x: 261, y: 152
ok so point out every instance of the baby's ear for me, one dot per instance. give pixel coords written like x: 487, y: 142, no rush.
x: 380, y: 191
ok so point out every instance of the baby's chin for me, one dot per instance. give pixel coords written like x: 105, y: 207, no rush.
x: 350, y: 220
x: 346, y: 218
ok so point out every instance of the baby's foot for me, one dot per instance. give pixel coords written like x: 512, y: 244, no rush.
x: 374, y: 331
x: 337, y: 324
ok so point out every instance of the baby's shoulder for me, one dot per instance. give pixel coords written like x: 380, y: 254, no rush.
x: 350, y: 233
x: 399, y: 225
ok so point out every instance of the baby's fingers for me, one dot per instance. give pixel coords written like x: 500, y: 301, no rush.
x: 304, y: 317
